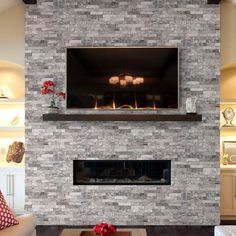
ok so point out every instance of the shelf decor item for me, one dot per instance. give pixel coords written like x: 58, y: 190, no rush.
x: 16, y: 120
x: 225, y: 159
x: 49, y: 88
x: 15, y: 152
x: 228, y: 115
x: 2, y: 95
x: 229, y: 151
x: 104, y: 229
x: 191, y: 105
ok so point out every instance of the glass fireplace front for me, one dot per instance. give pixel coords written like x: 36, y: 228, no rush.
x: 122, y: 172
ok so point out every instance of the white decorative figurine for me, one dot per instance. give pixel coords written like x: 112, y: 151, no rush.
x: 191, y: 104
x: 229, y: 115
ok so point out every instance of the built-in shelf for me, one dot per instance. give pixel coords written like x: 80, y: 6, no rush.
x: 11, y: 101
x: 228, y: 128
x: 228, y: 101
x: 121, y: 117
x: 10, y: 128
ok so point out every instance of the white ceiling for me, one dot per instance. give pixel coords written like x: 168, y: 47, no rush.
x: 6, y: 4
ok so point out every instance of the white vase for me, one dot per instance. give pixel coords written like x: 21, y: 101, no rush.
x: 191, y: 104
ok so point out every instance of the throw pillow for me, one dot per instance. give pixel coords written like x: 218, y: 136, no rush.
x: 7, y: 219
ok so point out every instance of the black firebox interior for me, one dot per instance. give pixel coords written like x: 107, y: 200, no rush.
x: 122, y: 172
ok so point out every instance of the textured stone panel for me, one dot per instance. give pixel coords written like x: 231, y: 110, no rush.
x: 193, y: 147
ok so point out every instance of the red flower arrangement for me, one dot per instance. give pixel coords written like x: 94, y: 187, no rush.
x: 49, y: 88
x: 104, y: 229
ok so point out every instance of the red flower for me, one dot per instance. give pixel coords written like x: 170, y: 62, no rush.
x: 112, y: 229
x: 61, y: 94
x: 46, y: 90
x: 104, y: 229
x: 97, y: 229
x: 48, y: 83
x: 49, y: 88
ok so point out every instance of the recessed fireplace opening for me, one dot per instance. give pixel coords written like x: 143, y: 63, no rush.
x: 121, y: 172
x: 122, y: 78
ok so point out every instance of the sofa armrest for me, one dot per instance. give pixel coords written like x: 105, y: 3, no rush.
x: 26, y: 226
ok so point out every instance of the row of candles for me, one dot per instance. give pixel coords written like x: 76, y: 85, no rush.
x: 126, y: 79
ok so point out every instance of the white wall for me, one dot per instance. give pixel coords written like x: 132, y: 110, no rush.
x: 228, y: 83
x: 12, y: 81
x: 228, y: 32
x: 12, y: 51
x: 12, y: 34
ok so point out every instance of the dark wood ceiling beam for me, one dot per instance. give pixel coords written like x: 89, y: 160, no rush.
x: 213, y: 1
x: 30, y: 1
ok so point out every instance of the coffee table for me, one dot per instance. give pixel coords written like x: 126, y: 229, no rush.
x: 78, y: 232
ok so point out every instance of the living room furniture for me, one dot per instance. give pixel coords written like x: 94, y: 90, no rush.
x: 77, y: 232
x: 26, y: 227
x: 225, y: 230
x: 12, y: 185
x: 228, y: 191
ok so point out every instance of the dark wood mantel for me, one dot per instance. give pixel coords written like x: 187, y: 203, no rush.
x: 30, y: 1
x: 35, y: 1
x: 213, y: 1
x: 121, y: 117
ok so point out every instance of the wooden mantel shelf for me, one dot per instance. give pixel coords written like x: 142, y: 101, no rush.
x: 35, y: 1
x: 121, y: 117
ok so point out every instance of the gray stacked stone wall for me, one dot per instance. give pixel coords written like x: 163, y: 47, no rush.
x: 193, y: 147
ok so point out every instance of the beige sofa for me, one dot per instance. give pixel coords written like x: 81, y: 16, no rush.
x: 26, y: 227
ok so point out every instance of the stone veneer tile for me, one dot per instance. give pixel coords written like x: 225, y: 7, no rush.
x: 193, y: 197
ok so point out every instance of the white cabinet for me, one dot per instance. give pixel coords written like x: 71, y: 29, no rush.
x: 19, y: 191
x: 12, y: 185
x: 3, y: 182
x: 12, y: 175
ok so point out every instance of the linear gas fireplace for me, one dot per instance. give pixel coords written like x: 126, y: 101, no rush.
x: 122, y: 172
